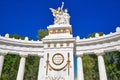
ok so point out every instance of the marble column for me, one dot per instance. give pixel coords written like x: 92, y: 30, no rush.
x: 40, y: 64
x: 80, y: 74
x: 1, y: 62
x: 101, y: 66
x: 20, y: 74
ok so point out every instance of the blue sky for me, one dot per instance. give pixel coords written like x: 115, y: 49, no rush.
x: 26, y: 17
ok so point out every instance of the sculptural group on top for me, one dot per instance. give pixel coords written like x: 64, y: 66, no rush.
x: 60, y: 16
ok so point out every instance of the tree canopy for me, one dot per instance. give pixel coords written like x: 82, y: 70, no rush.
x: 42, y: 33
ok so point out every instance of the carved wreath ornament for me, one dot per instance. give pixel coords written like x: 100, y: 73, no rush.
x: 57, y: 59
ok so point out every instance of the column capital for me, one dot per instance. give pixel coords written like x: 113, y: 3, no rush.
x: 117, y: 48
x: 40, y: 55
x: 3, y: 53
x: 23, y: 54
x: 79, y: 54
x: 99, y: 53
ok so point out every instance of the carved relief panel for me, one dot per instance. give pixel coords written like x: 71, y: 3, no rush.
x: 58, y: 65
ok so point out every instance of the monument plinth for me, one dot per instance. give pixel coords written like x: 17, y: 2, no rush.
x: 58, y: 48
x: 61, y: 27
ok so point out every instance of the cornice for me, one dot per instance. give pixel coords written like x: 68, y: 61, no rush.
x: 106, y: 43
x: 59, y: 26
x: 102, y: 39
x: 59, y: 40
x: 17, y: 42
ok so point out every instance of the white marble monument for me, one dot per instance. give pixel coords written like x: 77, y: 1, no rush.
x: 57, y: 49
x: 58, y: 61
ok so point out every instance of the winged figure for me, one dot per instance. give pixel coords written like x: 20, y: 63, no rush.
x: 54, y: 11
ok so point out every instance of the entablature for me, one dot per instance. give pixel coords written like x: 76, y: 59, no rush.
x: 14, y: 46
x: 106, y: 43
x: 11, y: 41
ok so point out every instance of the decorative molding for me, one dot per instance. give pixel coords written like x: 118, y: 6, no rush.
x: 47, y: 63
x: 117, y: 48
x: 50, y: 67
x: 106, y: 43
x: 61, y: 45
x: 24, y: 55
x: 68, y: 62
x: 58, y: 55
x: 55, y: 45
x: 58, y: 31
x: 79, y: 54
x: 99, y: 53
x: 41, y: 55
x: 57, y: 69
x: 3, y: 54
x: 5, y: 40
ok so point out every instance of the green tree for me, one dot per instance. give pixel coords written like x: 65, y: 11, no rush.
x: 16, y: 36
x: 31, y: 68
x: 93, y: 34
x: 42, y: 33
x: 90, y: 67
x: 10, y: 67
x: 112, y: 62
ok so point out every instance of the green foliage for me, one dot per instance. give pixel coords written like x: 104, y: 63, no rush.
x: 42, y: 33
x: 10, y: 67
x: 16, y: 36
x: 31, y: 68
x: 112, y: 62
x: 90, y: 67
x: 93, y: 34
